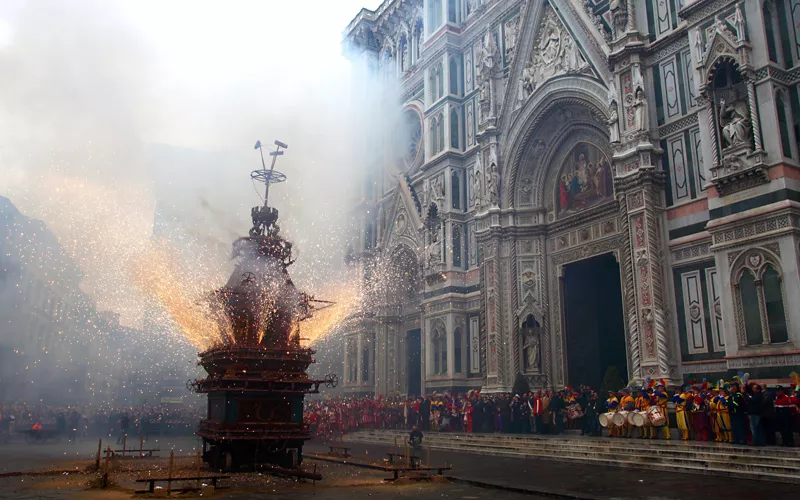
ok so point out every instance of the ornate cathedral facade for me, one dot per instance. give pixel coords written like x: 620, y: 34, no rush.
x: 584, y: 188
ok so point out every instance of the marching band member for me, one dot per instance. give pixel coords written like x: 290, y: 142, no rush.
x: 682, y: 412
x: 611, y: 405
x: 700, y: 416
x: 628, y: 404
x: 725, y: 433
x: 642, y: 405
x: 662, y: 399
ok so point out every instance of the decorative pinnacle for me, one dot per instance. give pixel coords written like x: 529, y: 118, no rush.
x: 270, y: 176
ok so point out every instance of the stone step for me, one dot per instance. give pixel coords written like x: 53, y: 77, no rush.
x: 715, y: 454
x: 606, y: 443
x: 671, y: 455
x: 719, y: 466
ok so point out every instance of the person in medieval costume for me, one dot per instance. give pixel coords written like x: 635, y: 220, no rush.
x: 683, y: 402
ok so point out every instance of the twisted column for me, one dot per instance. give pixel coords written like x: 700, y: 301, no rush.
x: 712, y: 131
x: 751, y: 100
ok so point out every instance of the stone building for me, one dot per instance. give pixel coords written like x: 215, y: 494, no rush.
x: 583, y: 184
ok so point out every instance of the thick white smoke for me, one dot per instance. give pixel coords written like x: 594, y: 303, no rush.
x: 109, y: 108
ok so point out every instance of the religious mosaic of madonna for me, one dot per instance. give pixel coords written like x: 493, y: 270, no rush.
x: 584, y: 179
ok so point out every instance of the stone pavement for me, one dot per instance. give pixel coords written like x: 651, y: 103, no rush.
x: 565, y: 480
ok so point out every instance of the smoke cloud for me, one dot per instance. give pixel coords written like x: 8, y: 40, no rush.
x: 117, y: 114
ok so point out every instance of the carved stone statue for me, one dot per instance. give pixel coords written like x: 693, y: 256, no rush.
x: 735, y: 121
x: 477, y: 186
x: 488, y: 62
x: 738, y: 23
x: 512, y: 27
x: 531, y: 350
x: 492, y: 182
x: 572, y: 59
x: 526, y: 82
x: 613, y: 122
x: 698, y: 46
x: 619, y: 16
x: 434, y: 247
x: 640, y: 110
x: 437, y: 189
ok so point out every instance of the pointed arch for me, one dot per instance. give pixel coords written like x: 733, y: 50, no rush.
x: 521, y: 150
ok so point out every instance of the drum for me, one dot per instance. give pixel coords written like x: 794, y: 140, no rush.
x: 621, y: 418
x: 637, y: 418
x: 656, y: 416
x: 574, y: 413
x: 605, y: 419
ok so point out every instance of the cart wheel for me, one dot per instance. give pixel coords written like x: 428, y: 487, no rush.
x: 30, y: 438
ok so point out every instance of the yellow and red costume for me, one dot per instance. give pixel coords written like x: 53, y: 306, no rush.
x: 682, y: 413
x: 628, y: 404
x: 662, y: 399
x: 612, y: 404
x: 642, y: 405
x: 723, y: 419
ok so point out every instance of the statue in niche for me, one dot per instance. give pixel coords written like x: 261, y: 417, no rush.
x: 531, y: 350
x: 640, y: 110
x: 738, y: 23
x: 511, y: 38
x: 487, y: 63
x: 619, y: 16
x: 435, y: 247
x: 571, y: 58
x: 698, y: 46
x: 477, y: 186
x: 584, y: 180
x: 493, y: 180
x: 734, y: 117
x: 527, y: 82
x: 613, y: 122
x: 437, y: 189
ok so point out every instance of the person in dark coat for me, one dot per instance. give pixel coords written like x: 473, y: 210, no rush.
x: 755, y: 405
x: 768, y: 418
x: 557, y: 407
x: 592, y: 413
x: 425, y: 413
x: 737, y: 407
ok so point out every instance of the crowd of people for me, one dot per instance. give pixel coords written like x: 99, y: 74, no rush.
x: 77, y: 422
x: 726, y: 413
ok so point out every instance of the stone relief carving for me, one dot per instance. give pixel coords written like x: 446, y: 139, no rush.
x: 554, y: 53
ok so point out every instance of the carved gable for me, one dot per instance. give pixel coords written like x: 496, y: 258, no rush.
x: 553, y: 53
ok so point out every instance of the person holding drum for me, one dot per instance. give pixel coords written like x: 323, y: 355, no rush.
x: 642, y: 405
x: 662, y: 399
x: 628, y: 405
x: 612, y: 404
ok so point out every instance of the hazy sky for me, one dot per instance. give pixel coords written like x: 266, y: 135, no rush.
x: 89, y: 85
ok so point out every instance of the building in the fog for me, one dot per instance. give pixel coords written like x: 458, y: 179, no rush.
x: 585, y: 184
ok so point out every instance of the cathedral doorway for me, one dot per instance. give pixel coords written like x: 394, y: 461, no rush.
x: 594, y: 322
x: 414, y: 362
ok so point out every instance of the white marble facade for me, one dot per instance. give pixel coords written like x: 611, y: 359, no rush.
x: 546, y: 132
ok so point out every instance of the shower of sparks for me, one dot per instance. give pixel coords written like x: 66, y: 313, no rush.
x: 158, y: 273
x: 348, y: 300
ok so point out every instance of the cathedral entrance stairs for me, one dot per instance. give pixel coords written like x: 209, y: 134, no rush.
x: 766, y: 463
